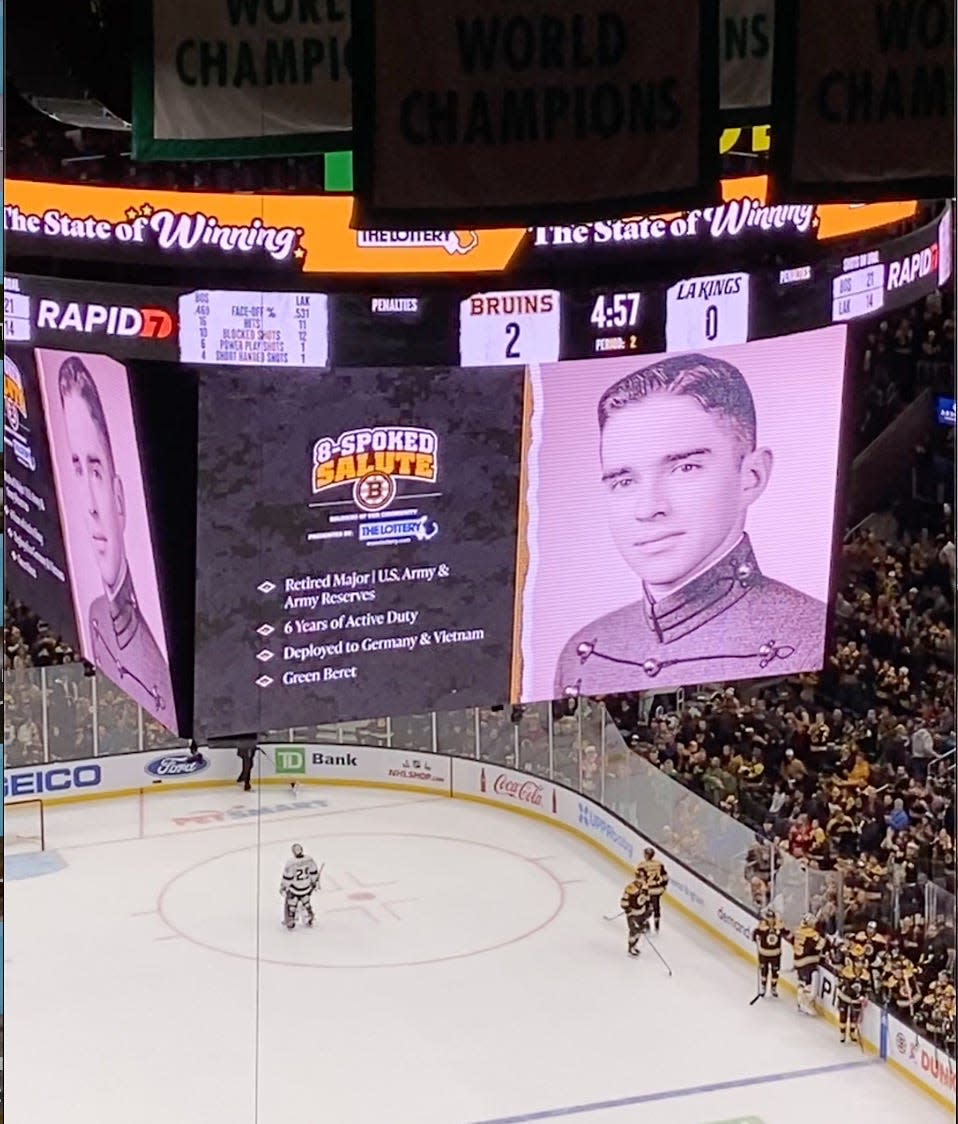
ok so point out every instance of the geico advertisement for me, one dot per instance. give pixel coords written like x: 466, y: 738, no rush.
x: 51, y: 780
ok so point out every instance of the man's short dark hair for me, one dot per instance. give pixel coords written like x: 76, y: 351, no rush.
x: 717, y: 386
x: 74, y: 378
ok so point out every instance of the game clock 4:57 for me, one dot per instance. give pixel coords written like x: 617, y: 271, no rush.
x: 615, y: 311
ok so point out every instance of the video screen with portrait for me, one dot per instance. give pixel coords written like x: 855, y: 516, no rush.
x: 679, y: 516
x: 88, y: 511
x: 36, y: 566
x: 356, y: 543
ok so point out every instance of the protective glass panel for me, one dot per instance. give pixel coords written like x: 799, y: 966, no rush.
x: 497, y: 737
x: 69, y: 695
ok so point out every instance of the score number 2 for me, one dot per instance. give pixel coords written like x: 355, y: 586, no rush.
x: 506, y: 327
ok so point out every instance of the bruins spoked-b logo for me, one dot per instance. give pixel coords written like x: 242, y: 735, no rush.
x: 372, y: 461
x: 14, y: 399
x: 15, y: 427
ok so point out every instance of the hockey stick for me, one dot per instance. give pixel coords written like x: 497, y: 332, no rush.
x: 322, y: 867
x: 614, y: 917
x: 658, y: 954
x: 758, y: 994
x: 943, y: 1046
x: 858, y: 1025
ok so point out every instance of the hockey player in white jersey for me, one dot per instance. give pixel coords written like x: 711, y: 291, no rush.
x: 300, y: 879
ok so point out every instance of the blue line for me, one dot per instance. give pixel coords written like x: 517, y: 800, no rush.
x: 674, y: 1094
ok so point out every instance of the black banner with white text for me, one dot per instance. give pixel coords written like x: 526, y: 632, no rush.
x: 503, y: 113
x: 864, y: 99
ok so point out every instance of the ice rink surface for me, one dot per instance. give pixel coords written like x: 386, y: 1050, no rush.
x: 460, y: 971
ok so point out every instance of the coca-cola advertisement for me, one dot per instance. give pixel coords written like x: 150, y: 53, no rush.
x: 522, y: 790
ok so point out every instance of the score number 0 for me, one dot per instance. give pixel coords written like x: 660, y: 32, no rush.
x: 707, y: 310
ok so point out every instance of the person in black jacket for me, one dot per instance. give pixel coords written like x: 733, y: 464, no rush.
x: 246, y: 753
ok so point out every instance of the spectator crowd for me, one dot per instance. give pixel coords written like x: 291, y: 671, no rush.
x: 851, y: 771
x: 910, y: 352
x: 28, y: 641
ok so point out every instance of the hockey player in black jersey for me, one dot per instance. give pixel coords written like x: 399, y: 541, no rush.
x: 851, y: 1001
x: 808, y: 945
x: 768, y: 937
x: 656, y: 879
x: 637, y: 906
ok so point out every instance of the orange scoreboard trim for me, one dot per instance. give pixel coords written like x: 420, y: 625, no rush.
x: 311, y: 233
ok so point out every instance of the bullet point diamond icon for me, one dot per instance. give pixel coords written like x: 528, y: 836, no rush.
x: 264, y: 681
x: 266, y: 630
x: 266, y: 587
x: 265, y: 655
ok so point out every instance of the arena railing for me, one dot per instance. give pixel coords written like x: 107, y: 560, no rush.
x: 60, y: 713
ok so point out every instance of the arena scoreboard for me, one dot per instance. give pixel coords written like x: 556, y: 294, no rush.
x: 470, y: 325
x: 336, y: 491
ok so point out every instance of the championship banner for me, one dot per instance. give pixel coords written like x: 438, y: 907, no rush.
x: 746, y: 37
x: 506, y: 113
x: 864, y: 103
x: 235, y: 79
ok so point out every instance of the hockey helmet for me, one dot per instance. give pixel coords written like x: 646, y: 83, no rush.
x: 297, y: 850
x: 809, y: 920
x: 649, y: 853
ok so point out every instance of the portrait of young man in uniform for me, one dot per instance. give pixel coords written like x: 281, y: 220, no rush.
x: 681, y: 468
x: 121, y: 643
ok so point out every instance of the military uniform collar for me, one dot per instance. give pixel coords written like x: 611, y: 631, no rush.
x: 705, y: 597
x: 124, y: 610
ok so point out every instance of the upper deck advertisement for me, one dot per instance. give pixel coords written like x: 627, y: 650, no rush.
x: 303, y: 234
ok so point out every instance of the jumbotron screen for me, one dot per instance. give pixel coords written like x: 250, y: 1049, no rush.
x: 679, y: 516
x: 319, y: 505
x: 87, y: 476
x: 365, y: 533
x: 357, y: 541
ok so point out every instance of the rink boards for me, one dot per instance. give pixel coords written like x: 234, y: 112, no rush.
x: 723, y: 919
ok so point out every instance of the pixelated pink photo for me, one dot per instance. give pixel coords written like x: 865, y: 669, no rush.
x: 680, y: 516
x: 106, y: 528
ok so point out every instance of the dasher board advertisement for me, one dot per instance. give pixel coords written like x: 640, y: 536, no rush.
x: 356, y: 547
